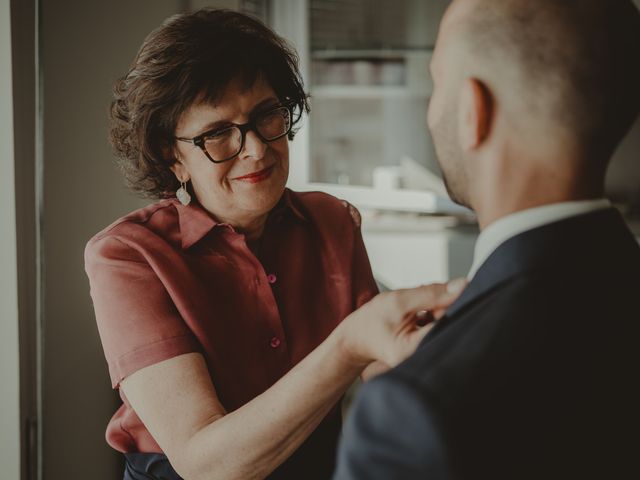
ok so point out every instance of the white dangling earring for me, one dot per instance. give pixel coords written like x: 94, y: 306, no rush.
x: 182, y: 195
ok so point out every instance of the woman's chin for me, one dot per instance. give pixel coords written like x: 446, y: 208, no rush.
x: 260, y: 197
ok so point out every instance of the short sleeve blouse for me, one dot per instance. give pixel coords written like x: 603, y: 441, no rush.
x: 168, y: 279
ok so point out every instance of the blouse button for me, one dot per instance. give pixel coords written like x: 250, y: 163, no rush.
x: 275, y: 342
x: 271, y: 278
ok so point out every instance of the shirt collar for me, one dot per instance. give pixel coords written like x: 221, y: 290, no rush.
x: 195, y: 222
x: 511, y: 225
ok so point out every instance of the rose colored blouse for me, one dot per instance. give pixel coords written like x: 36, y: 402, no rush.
x: 168, y: 279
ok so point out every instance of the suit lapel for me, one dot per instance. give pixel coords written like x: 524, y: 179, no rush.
x: 535, y: 249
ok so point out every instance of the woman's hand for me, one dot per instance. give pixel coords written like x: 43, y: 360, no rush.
x: 388, y: 328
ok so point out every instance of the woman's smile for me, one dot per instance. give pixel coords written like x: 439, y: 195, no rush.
x: 256, y: 176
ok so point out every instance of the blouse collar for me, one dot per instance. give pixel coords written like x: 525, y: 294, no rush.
x: 195, y: 222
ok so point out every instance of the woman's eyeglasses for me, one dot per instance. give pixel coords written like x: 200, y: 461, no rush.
x: 223, y: 144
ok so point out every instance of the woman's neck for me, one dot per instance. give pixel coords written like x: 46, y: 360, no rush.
x: 252, y: 228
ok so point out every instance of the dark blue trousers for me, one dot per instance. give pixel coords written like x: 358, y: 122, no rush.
x: 148, y: 466
x: 314, y: 460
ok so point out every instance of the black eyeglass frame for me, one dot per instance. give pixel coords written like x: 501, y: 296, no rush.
x: 199, y: 140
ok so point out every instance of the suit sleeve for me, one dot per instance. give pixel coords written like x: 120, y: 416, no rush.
x: 390, y: 434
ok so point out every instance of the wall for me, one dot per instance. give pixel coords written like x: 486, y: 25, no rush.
x: 86, y: 46
x: 9, y: 369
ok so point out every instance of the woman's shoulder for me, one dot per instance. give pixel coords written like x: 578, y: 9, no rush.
x: 325, y: 207
x: 158, y: 219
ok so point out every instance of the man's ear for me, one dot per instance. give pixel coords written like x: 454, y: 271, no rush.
x: 476, y: 111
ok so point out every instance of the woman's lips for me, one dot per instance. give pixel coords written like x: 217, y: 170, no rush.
x: 256, y: 177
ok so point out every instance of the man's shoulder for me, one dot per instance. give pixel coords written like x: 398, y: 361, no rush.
x: 390, y: 412
x: 540, y: 323
x: 458, y: 344
x: 513, y: 320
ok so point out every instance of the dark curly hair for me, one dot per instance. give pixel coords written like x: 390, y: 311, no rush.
x: 192, y: 57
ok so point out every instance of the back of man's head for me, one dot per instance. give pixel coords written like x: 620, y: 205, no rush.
x: 574, y: 64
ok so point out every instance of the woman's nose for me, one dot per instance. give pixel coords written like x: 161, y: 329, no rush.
x: 254, y: 147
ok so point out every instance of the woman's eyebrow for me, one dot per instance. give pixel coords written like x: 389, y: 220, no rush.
x: 262, y: 105
x: 213, y: 126
x: 266, y: 103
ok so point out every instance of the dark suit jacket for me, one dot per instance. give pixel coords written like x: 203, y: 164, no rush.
x: 532, y: 373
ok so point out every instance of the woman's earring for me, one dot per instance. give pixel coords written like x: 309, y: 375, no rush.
x: 183, y: 196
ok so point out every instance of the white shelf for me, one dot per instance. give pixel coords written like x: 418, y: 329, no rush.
x: 397, y: 199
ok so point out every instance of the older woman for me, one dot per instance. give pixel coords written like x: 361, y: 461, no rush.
x: 221, y: 311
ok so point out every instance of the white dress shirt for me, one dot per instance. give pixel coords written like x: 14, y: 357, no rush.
x: 511, y: 225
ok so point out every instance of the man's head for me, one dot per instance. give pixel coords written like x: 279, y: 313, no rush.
x: 533, y: 90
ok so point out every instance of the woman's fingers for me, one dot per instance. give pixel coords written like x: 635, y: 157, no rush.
x: 419, y: 334
x: 433, y: 297
x: 391, y: 326
x: 438, y: 314
x: 422, y: 307
x: 406, y: 346
x: 425, y: 317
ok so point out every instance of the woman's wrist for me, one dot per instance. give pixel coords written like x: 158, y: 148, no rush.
x: 349, y: 345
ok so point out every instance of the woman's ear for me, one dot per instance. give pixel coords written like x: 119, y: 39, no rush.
x: 476, y: 110
x: 178, y: 168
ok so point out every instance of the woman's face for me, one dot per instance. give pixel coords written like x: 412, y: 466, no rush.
x: 244, y: 189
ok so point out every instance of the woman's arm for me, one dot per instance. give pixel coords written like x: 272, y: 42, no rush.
x: 178, y: 404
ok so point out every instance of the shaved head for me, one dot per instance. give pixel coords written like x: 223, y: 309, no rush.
x: 532, y: 92
x: 575, y: 63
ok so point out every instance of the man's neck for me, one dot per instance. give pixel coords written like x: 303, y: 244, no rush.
x: 508, y: 196
x: 509, y: 176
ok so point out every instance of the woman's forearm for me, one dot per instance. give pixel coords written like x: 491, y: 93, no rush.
x: 252, y: 441
x: 177, y: 402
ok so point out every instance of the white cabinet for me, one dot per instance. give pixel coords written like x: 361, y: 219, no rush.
x: 366, y: 66
x: 409, y: 252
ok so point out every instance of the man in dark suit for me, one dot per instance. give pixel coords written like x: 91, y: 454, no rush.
x: 533, y: 371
